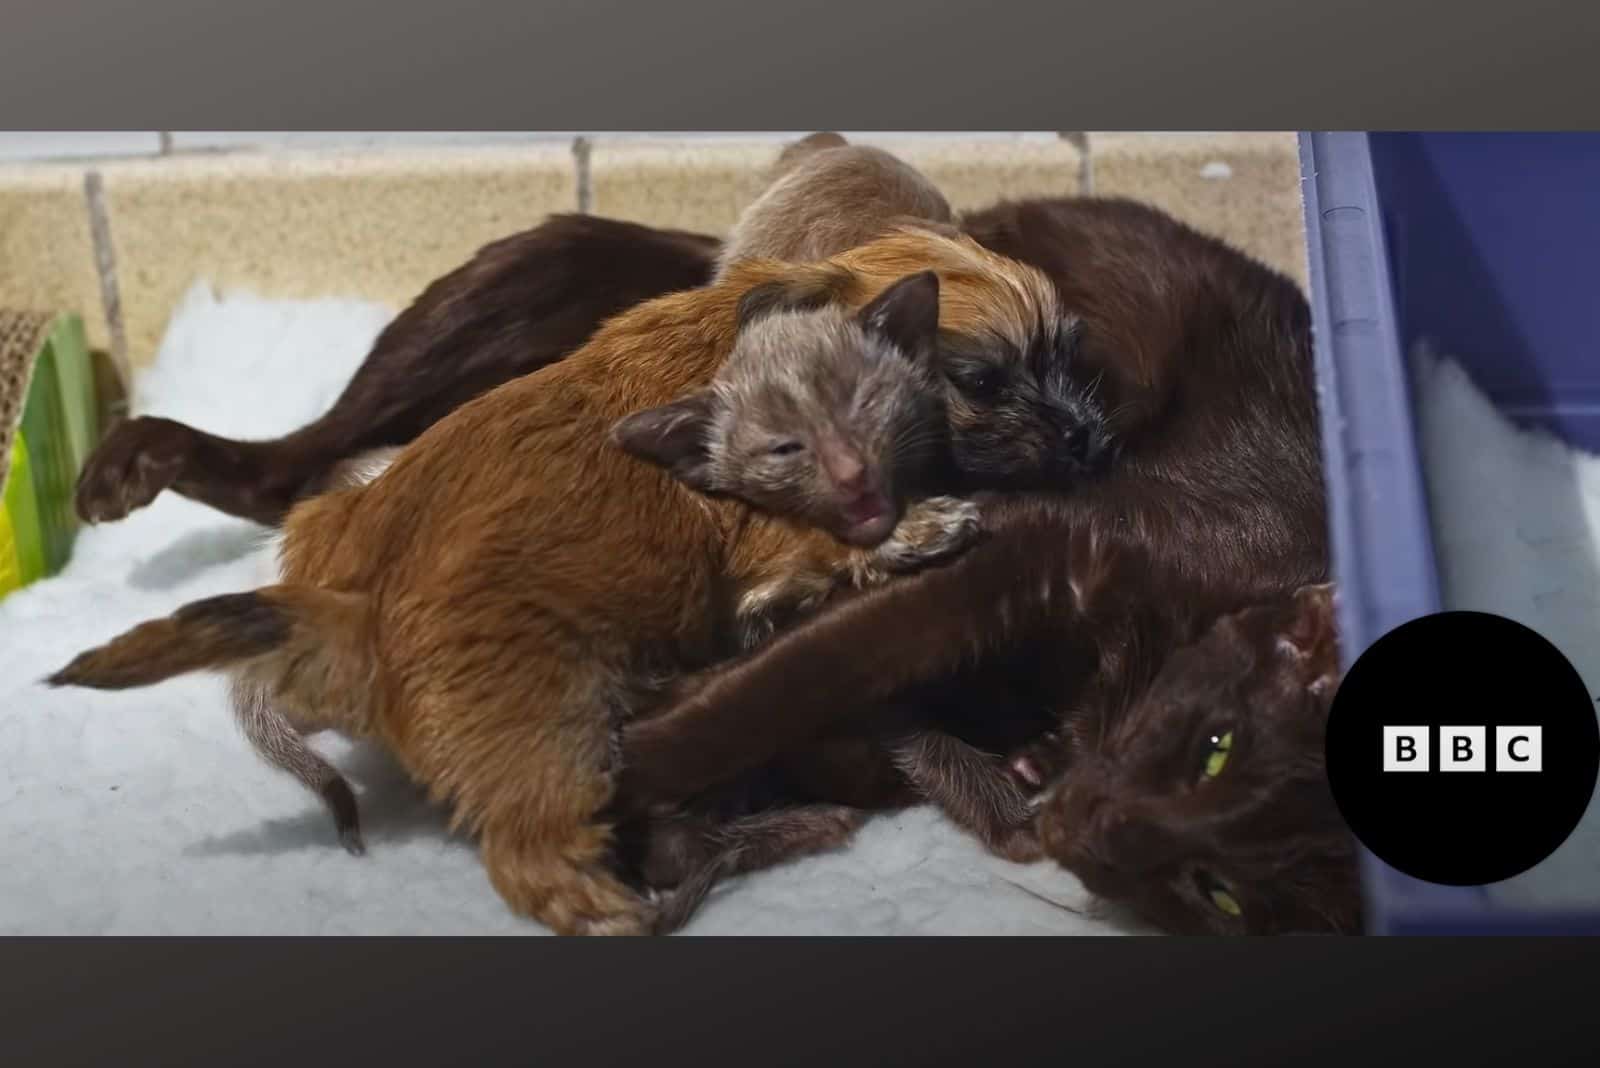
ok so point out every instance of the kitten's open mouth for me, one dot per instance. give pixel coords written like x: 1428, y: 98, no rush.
x: 867, y: 518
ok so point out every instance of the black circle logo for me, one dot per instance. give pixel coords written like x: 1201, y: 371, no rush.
x: 1462, y: 748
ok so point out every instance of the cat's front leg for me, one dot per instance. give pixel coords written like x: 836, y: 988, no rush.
x: 979, y: 792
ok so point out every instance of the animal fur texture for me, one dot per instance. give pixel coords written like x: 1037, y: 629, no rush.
x: 512, y: 588
x: 827, y: 195
x: 1020, y: 417
x: 1077, y: 602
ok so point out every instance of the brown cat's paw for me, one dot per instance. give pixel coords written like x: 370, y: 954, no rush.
x: 932, y: 530
x: 136, y: 461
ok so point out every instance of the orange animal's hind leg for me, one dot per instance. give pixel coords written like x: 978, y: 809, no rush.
x: 525, y: 764
x: 568, y: 885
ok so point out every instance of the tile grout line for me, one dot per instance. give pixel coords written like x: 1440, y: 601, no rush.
x: 106, y: 268
x: 582, y: 147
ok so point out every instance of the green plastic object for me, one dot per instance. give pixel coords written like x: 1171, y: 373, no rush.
x: 51, y: 433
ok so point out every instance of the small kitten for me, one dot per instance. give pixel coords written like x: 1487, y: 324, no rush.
x: 815, y: 413
x: 827, y: 417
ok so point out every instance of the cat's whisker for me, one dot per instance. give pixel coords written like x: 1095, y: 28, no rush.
x: 1052, y: 902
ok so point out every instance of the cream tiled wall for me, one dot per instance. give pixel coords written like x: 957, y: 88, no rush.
x: 380, y: 215
x: 47, y: 253
x: 377, y: 226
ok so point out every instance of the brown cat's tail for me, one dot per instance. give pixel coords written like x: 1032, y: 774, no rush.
x: 275, y: 639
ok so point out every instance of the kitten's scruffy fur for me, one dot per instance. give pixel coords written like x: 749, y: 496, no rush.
x: 806, y: 415
x: 812, y: 398
x: 513, y: 588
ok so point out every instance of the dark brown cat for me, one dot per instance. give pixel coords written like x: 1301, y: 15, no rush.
x: 519, y: 304
x: 1212, y: 484
x: 1185, y: 778
x: 1204, y: 802
x: 1214, y: 505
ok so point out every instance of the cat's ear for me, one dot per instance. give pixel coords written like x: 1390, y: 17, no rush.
x: 906, y: 315
x: 675, y: 436
x: 1308, y: 634
x: 1310, y: 622
x: 806, y: 292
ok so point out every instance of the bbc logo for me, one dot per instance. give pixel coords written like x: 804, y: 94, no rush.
x: 1463, y: 749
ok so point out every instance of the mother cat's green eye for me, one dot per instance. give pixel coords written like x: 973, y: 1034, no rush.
x: 1221, y: 900
x: 1225, y: 902
x: 1221, y: 745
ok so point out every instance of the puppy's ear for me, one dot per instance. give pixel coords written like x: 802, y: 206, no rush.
x: 675, y: 437
x: 906, y: 315
x: 794, y: 294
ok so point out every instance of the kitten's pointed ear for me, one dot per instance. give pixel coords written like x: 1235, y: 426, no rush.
x: 906, y: 314
x: 674, y: 436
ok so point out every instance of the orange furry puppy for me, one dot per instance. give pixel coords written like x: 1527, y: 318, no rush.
x: 514, y: 587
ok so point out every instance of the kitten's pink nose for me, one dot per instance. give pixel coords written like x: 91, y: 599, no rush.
x: 849, y: 473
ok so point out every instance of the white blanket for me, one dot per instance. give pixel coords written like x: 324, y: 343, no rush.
x: 145, y: 812
x: 1515, y: 517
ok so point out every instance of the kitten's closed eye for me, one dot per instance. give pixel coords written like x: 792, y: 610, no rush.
x: 785, y: 448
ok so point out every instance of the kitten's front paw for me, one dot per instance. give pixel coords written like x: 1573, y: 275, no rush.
x: 932, y: 530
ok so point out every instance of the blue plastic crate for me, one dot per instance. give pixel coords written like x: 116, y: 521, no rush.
x: 1482, y: 245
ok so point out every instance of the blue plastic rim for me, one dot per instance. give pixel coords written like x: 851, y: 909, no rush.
x: 1480, y: 245
x: 1493, y: 243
